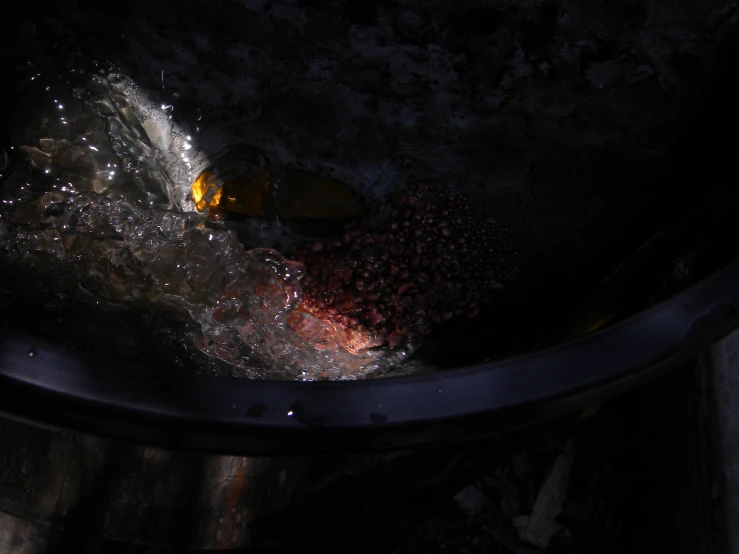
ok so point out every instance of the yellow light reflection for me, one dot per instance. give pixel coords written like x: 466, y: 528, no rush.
x: 205, y: 193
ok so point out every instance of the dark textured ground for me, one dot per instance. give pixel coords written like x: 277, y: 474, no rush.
x: 644, y: 479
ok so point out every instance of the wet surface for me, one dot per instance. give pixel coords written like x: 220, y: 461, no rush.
x: 91, y: 205
x: 585, y: 126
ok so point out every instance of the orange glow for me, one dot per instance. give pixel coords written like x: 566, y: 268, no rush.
x: 201, y: 190
x: 261, y: 193
x: 244, y: 200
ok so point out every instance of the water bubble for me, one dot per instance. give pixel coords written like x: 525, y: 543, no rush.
x: 117, y: 231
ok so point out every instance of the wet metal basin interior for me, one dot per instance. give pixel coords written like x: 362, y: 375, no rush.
x: 595, y: 132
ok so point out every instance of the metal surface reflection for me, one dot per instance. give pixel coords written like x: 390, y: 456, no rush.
x: 62, y: 490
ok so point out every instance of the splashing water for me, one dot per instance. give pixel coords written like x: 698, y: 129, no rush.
x: 103, y: 195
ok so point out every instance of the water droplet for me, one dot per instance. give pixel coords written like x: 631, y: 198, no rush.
x: 239, y: 301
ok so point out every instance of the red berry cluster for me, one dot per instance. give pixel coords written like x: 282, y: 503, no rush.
x: 436, y: 258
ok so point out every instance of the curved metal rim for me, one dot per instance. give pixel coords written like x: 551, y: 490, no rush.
x: 52, y: 385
